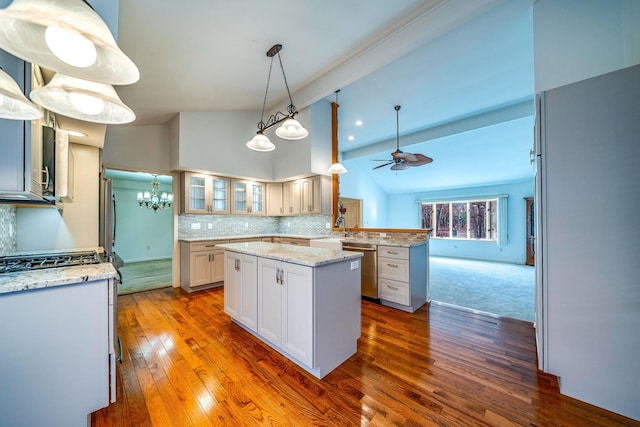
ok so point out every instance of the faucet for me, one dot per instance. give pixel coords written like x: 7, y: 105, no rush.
x: 341, y: 220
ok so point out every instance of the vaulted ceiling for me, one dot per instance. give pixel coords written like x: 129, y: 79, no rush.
x: 462, y: 71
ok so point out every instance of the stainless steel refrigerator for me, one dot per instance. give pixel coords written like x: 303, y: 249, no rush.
x: 588, y: 239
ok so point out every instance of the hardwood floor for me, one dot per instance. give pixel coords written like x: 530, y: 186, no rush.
x: 186, y: 364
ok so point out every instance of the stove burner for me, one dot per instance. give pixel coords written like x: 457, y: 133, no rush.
x: 10, y: 264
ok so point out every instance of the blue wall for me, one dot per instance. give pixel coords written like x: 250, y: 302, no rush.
x: 403, y: 209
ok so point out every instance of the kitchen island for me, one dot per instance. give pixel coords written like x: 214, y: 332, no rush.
x: 57, y: 360
x: 303, y: 302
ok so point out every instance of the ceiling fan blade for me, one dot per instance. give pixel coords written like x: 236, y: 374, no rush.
x: 399, y: 166
x: 409, y: 157
x: 421, y: 159
x: 383, y: 165
x: 381, y: 160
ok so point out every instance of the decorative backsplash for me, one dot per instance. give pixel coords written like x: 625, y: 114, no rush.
x: 203, y: 226
x: 8, y: 223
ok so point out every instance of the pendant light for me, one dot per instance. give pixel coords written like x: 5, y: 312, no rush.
x: 291, y: 129
x: 83, y: 100
x: 13, y: 104
x: 336, y: 168
x: 65, y: 36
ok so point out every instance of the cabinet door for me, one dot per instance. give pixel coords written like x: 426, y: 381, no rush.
x: 196, y: 193
x: 274, y: 199
x: 219, y: 201
x: 258, y: 205
x: 200, y: 273
x: 297, y: 321
x: 291, y: 197
x: 217, y: 265
x: 269, y: 301
x: 232, y: 283
x: 240, y: 197
x: 249, y: 291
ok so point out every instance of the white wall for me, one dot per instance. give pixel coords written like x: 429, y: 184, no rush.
x: 76, y: 226
x: 141, y: 234
x: 138, y: 148
x: 375, y: 201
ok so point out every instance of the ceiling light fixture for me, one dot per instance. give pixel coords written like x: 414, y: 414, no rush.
x: 291, y: 129
x: 153, y: 200
x: 65, y: 36
x: 76, y: 133
x: 13, y: 104
x: 336, y: 168
x: 83, y: 100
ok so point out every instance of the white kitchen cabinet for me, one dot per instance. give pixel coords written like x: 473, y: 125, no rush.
x: 201, y: 265
x: 310, y: 195
x: 291, y: 197
x: 285, y: 307
x: 275, y: 201
x: 247, y: 197
x: 240, y: 288
x: 403, y: 276
x: 204, y: 194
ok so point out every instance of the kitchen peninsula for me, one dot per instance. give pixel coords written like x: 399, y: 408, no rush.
x: 303, y: 302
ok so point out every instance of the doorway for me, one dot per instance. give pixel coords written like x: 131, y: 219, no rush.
x: 144, y: 235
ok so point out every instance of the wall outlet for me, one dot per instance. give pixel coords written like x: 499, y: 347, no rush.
x: 327, y: 225
x: 246, y: 225
x: 383, y: 234
x: 195, y: 226
x: 355, y: 265
x: 210, y: 226
x: 288, y: 224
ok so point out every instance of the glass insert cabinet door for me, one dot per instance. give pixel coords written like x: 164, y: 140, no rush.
x: 197, y: 193
x: 205, y: 194
x: 248, y: 197
x: 220, y: 195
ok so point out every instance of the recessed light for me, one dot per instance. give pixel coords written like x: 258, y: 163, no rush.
x: 351, y: 137
x: 358, y: 122
x: 76, y: 133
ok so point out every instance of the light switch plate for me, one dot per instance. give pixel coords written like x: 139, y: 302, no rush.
x: 195, y: 226
x: 355, y: 265
x: 210, y: 226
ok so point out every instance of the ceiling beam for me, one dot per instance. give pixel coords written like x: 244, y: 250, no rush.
x: 517, y: 110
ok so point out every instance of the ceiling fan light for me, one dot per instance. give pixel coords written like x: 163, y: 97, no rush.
x: 261, y: 143
x: 32, y: 31
x: 83, y: 100
x: 291, y: 129
x: 399, y: 167
x: 337, y: 168
x: 13, y: 104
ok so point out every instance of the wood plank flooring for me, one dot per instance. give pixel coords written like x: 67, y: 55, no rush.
x: 186, y: 364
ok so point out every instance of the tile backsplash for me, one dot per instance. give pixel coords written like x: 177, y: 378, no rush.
x: 8, y: 224
x: 203, y: 226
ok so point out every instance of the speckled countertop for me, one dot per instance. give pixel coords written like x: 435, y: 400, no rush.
x: 248, y: 236
x: 387, y: 241
x: 50, y: 277
x: 312, y: 257
x: 384, y: 241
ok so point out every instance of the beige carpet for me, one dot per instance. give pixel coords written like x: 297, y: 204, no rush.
x: 145, y: 275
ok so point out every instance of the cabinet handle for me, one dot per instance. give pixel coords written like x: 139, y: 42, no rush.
x: 392, y: 252
x: 393, y: 265
x: 395, y: 288
x: 237, y: 265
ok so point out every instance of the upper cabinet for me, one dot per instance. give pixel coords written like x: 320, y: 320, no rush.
x: 275, y: 205
x: 291, y: 197
x: 204, y: 194
x: 307, y: 196
x: 247, y: 197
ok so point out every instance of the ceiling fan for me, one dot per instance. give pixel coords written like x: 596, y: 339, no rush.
x: 399, y: 159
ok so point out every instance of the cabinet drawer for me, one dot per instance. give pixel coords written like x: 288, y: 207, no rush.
x: 205, y: 245
x: 393, y: 252
x: 394, y: 269
x: 390, y: 290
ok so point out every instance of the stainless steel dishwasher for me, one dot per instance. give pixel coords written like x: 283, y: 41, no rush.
x: 368, y: 268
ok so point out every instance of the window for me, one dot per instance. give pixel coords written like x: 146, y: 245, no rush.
x: 465, y: 219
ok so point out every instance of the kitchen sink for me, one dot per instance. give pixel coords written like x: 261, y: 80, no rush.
x: 328, y: 243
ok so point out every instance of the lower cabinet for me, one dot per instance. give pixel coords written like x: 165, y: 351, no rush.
x: 201, y: 265
x: 403, y: 276
x: 240, y: 288
x: 285, y: 307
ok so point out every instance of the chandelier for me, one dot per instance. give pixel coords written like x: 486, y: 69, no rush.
x: 151, y: 199
x: 291, y: 129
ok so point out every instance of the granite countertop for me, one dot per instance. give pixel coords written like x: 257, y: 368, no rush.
x: 302, y: 255
x: 50, y: 277
x: 249, y: 236
x: 383, y: 241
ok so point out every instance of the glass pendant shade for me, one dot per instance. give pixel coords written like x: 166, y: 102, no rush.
x: 65, y: 36
x: 261, y: 143
x: 291, y: 129
x: 13, y: 104
x: 83, y: 100
x: 337, y: 168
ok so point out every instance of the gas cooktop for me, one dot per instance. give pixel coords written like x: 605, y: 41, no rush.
x: 10, y: 264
